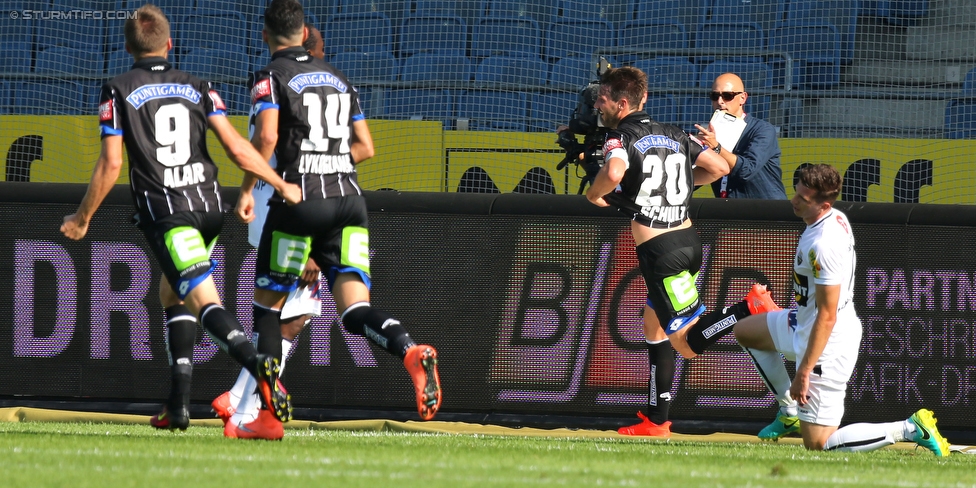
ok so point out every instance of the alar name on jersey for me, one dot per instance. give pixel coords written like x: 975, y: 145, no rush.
x: 325, y: 164
x: 188, y: 174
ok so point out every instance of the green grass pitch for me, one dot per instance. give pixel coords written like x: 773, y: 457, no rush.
x: 42, y: 454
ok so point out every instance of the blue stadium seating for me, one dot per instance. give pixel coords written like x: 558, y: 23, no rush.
x: 70, y: 33
x: 960, y: 113
x: 902, y: 12
x: 118, y: 62
x: 573, y: 72
x: 360, y: 67
x: 578, y: 38
x: 467, y: 10
x: 4, y: 98
x: 668, y: 72
x: 520, y: 70
x: 494, y: 110
x: 420, y: 34
x: 694, y: 110
x: 613, y: 11
x: 321, y: 9
x: 690, y: 13
x: 393, y: 9
x: 842, y: 14
x: 548, y: 110
x: 437, y: 66
x: 216, y: 65
x: 69, y: 61
x: 491, y: 36
x: 173, y: 9
x: 654, y: 36
x: 816, y: 52
x: 54, y: 97
x: 960, y: 119
x: 16, y: 38
x: 211, y: 31
x: 740, y: 36
x: 236, y: 96
x: 969, y: 83
x: 363, y: 68
x: 349, y: 32
x: 662, y: 108
x: 766, y: 13
x: 259, y: 60
x: 542, y: 11
x: 421, y: 104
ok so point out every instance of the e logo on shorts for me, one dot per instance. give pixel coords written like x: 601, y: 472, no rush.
x: 355, y: 247
x: 289, y: 253
x: 186, y: 247
x: 681, y: 290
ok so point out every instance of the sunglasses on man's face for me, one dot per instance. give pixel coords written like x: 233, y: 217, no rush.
x: 727, y: 96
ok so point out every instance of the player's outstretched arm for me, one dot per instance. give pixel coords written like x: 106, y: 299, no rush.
x: 244, y: 155
x: 104, y: 176
x: 709, y: 167
x: 361, y: 148
x: 606, y: 180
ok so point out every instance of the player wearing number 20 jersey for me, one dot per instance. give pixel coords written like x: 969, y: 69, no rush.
x: 659, y: 159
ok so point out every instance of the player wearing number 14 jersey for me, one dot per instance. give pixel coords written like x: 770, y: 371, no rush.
x: 162, y: 116
x: 307, y: 115
x: 650, y: 173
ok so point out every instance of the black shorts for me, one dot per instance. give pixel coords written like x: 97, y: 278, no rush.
x: 670, y: 263
x: 332, y: 231
x: 182, y: 243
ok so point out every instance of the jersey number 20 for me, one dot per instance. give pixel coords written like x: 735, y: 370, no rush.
x: 675, y: 185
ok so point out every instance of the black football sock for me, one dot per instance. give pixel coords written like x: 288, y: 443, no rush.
x: 715, y: 325
x: 227, y: 333
x: 267, y: 326
x: 660, y: 357
x: 379, y: 327
x: 181, y: 334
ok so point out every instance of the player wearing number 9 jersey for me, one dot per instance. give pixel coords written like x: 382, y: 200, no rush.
x: 307, y: 116
x: 161, y: 115
x: 651, y: 170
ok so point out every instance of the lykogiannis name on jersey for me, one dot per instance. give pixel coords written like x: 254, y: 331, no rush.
x: 325, y: 164
x: 649, y: 142
x: 321, y: 78
x: 145, y: 93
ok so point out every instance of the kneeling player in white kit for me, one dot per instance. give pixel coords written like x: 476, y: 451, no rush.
x: 823, y: 335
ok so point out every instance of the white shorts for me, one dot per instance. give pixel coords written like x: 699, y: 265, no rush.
x: 828, y: 382
x: 303, y: 301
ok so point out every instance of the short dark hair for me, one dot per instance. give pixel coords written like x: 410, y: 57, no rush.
x: 147, y: 31
x: 313, y: 36
x: 824, y: 179
x: 626, y: 82
x: 284, y: 19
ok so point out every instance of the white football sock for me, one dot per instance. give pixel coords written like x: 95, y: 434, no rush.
x: 773, y: 372
x: 247, y: 408
x: 865, y: 437
x: 285, y: 348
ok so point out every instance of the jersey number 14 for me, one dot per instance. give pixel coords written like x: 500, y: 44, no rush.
x: 336, y: 117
